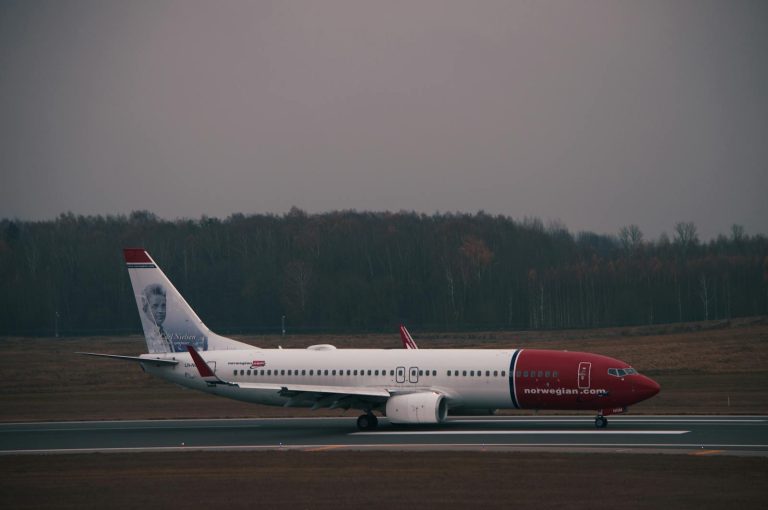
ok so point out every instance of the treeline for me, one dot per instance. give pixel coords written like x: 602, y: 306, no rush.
x: 368, y: 271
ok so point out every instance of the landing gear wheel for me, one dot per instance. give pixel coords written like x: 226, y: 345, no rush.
x: 367, y: 421
x: 601, y: 422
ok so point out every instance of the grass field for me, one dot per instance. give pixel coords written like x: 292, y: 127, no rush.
x: 371, y: 480
x: 718, y: 367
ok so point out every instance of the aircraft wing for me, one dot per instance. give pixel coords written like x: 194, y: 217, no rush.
x: 322, y: 396
x: 318, y: 395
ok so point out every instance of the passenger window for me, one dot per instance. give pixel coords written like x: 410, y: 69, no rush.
x: 554, y: 374
x: 242, y: 372
x: 496, y: 373
x: 391, y: 372
x: 487, y: 373
x: 349, y: 372
x: 333, y: 372
x: 369, y: 372
x: 376, y: 373
x: 269, y: 372
x: 248, y: 372
x: 355, y: 372
x: 421, y: 373
x: 541, y: 373
x: 303, y: 372
x: 235, y: 372
x: 464, y: 373
x: 546, y: 374
x: 312, y: 372
x: 502, y: 373
x: 326, y: 372
x: 448, y: 373
x: 525, y: 373
x: 434, y: 373
x: 290, y: 372
x: 456, y: 373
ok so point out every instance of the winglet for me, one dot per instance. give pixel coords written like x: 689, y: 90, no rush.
x: 406, y: 338
x: 205, y: 371
x: 202, y: 366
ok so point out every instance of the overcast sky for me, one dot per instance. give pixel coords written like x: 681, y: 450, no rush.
x: 596, y: 113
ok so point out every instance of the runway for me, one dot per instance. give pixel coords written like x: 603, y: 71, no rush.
x: 698, y: 435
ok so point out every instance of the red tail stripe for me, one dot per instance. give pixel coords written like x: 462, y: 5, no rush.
x: 135, y: 255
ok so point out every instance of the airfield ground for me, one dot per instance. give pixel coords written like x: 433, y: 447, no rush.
x: 372, y: 480
x: 716, y: 367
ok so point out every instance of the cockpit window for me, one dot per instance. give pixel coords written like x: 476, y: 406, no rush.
x: 621, y: 372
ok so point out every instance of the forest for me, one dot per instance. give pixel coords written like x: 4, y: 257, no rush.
x: 369, y: 271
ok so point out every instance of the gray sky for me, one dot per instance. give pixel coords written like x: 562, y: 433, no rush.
x: 597, y: 113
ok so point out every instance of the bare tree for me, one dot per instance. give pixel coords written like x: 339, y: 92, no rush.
x: 737, y: 233
x: 630, y: 237
x: 686, y: 234
x: 704, y: 295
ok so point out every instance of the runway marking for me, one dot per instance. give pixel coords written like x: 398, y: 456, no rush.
x: 617, y: 420
x: 352, y: 447
x: 518, y: 432
x: 325, y: 448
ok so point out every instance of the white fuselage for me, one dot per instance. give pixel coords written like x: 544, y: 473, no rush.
x: 483, y: 379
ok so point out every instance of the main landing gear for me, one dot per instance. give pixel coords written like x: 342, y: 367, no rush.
x: 367, y: 421
x: 601, y: 421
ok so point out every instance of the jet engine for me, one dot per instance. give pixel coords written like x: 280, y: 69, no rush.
x: 425, y: 407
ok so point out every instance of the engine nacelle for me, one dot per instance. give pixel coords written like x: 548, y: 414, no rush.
x: 467, y: 411
x: 426, y: 407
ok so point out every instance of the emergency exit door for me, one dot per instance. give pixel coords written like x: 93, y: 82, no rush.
x: 585, y: 369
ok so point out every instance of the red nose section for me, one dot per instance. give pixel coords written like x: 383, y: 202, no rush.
x: 647, y: 387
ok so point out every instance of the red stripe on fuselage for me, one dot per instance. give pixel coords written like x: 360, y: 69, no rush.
x: 575, y: 380
x: 136, y: 255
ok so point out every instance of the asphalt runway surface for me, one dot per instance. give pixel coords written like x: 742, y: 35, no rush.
x: 697, y: 435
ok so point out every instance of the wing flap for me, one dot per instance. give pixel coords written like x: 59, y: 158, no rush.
x: 290, y: 390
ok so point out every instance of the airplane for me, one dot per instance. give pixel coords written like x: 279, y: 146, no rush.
x: 407, y: 339
x: 414, y: 387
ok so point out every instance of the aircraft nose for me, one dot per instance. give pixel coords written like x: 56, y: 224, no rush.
x: 647, y: 387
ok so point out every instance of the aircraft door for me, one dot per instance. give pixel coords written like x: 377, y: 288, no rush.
x: 585, y: 369
x: 413, y: 374
x: 400, y: 374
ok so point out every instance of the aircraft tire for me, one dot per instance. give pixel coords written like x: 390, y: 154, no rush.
x: 601, y: 422
x: 367, y: 422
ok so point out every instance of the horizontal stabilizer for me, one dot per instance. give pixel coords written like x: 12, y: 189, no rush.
x: 155, y: 361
